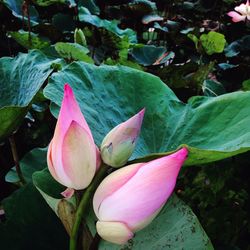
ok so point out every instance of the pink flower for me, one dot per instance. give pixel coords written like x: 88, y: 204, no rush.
x: 118, y: 145
x: 130, y: 198
x: 72, y: 154
x: 243, y: 12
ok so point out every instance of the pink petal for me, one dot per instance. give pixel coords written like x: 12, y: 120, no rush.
x: 144, y: 193
x: 68, y: 193
x: 78, y: 156
x: 112, y: 183
x: 54, y: 160
x: 50, y: 162
x: 236, y: 17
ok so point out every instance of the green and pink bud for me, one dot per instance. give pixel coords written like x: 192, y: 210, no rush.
x: 130, y: 198
x: 73, y: 157
x: 118, y: 145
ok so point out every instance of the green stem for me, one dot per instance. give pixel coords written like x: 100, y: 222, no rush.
x: 16, y: 159
x: 84, y: 205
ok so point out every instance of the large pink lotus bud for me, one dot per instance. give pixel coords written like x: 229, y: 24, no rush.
x: 118, y: 145
x: 241, y: 13
x: 130, y: 198
x: 72, y: 154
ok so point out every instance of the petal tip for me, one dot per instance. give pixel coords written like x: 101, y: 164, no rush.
x: 181, y: 154
x: 139, y: 117
x: 142, y: 112
x: 67, y: 89
x: 68, y: 193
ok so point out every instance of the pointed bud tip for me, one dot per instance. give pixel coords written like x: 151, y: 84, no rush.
x: 140, y: 116
x: 142, y: 112
x: 67, y: 89
x: 181, y: 154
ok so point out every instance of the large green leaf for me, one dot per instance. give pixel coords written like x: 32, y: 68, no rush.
x: 176, y: 227
x: 212, y: 128
x: 30, y: 223
x: 21, y: 78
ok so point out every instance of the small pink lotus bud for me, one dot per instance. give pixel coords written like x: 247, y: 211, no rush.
x: 72, y: 154
x: 130, y: 198
x: 118, y: 145
x: 241, y: 13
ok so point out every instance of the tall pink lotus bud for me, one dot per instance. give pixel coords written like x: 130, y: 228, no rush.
x: 72, y: 154
x: 118, y: 145
x: 241, y: 13
x: 130, y: 198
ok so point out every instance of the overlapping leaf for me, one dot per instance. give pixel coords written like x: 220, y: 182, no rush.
x: 21, y: 79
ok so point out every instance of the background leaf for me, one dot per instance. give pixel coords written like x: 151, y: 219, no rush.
x: 21, y: 79
x: 148, y: 54
x: 112, y: 26
x: 16, y: 7
x: 240, y: 45
x: 34, y: 42
x: 73, y: 51
x: 213, y: 42
x: 45, y: 3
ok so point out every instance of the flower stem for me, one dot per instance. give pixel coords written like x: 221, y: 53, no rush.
x: 16, y: 159
x: 84, y: 205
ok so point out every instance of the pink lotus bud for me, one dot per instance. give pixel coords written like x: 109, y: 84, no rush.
x: 72, y: 154
x: 243, y: 12
x: 118, y: 145
x: 130, y: 198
